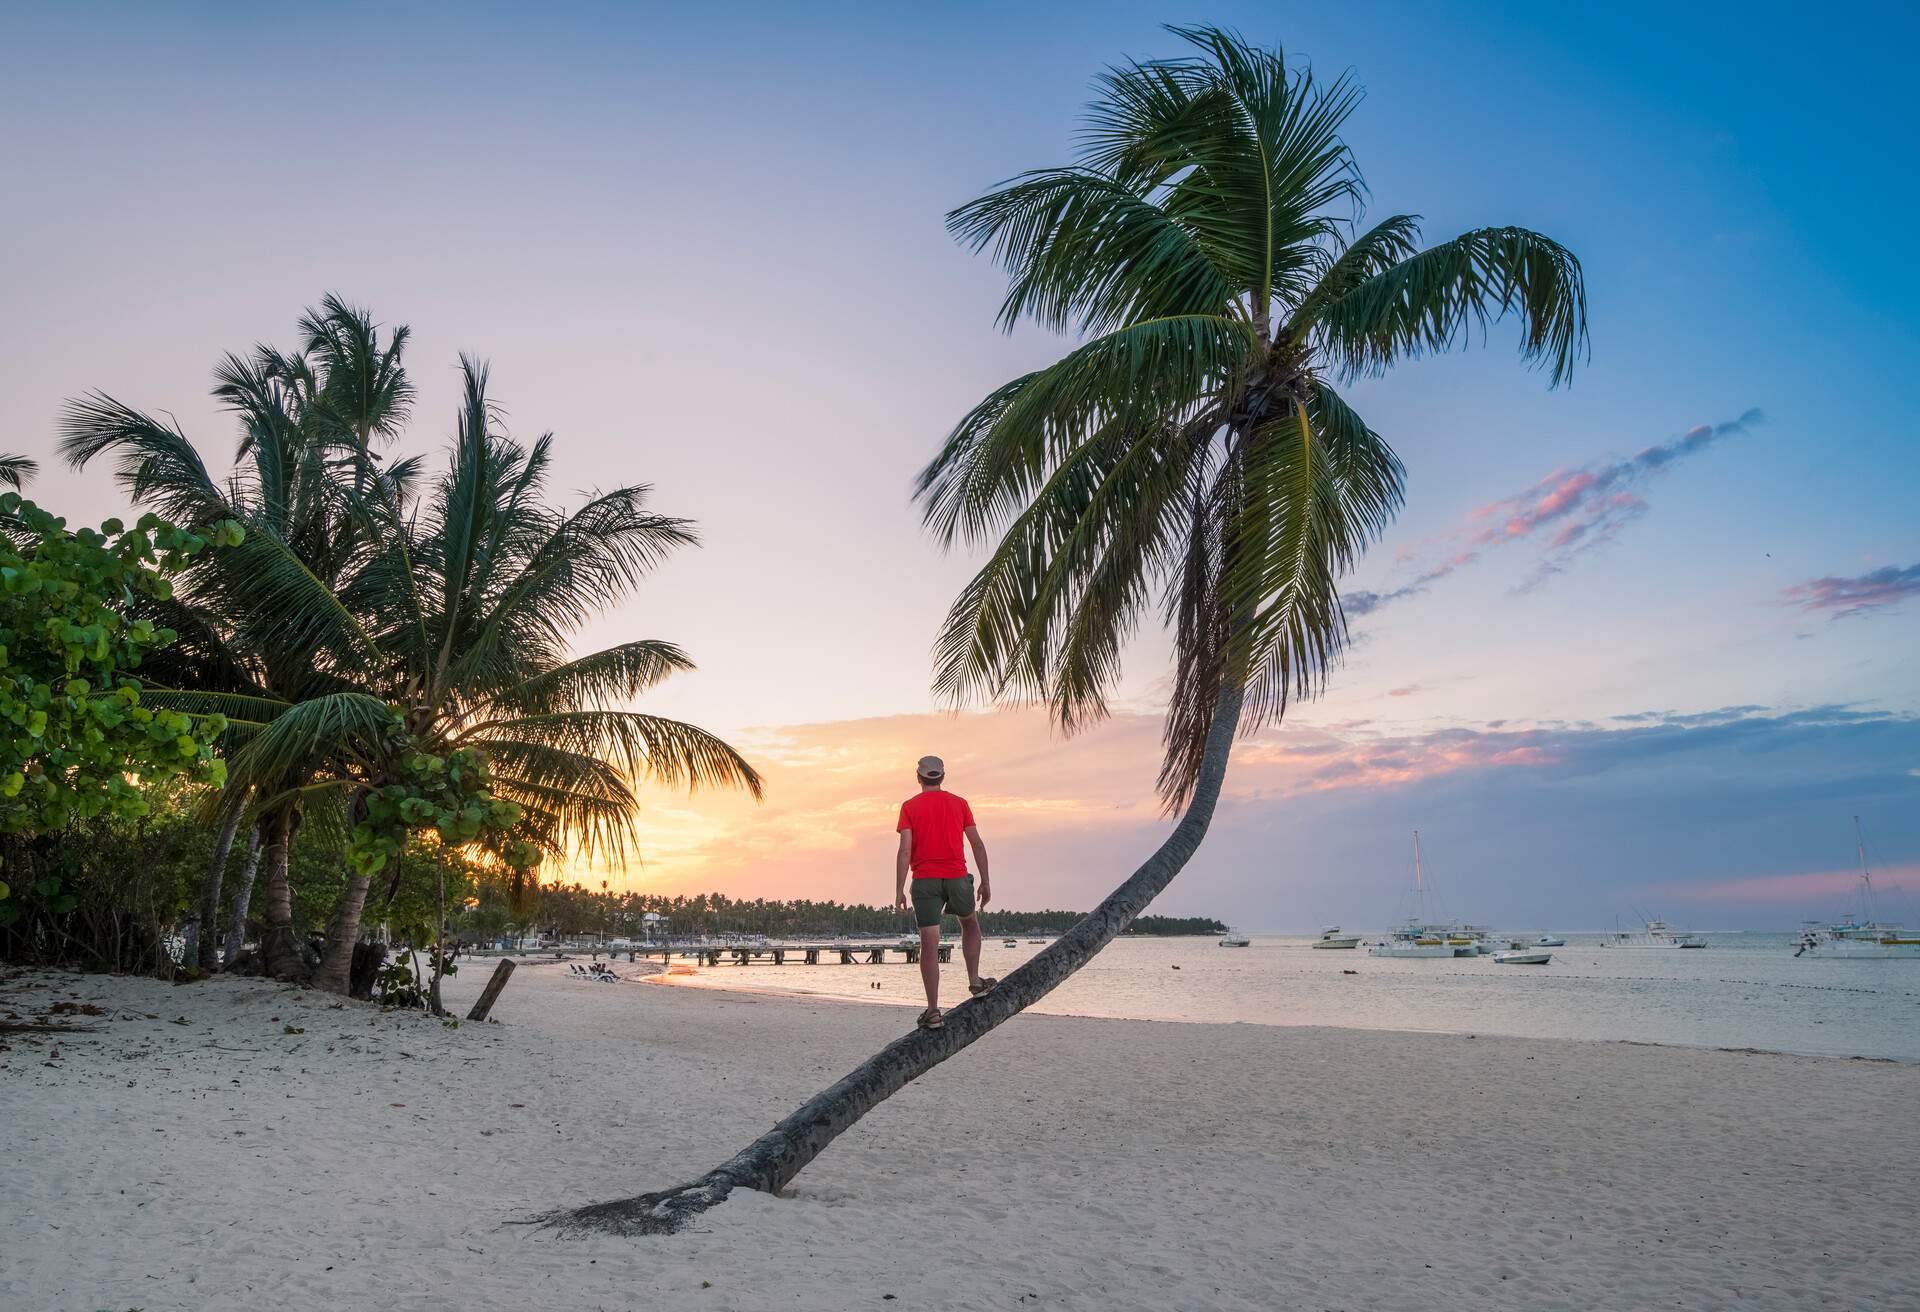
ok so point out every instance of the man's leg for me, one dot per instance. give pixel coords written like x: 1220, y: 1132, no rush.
x: 970, y: 946
x: 930, y: 962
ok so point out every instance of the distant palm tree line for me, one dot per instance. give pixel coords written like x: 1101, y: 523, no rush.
x: 575, y: 909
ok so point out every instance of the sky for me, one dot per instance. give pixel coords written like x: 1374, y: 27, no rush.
x: 1646, y: 641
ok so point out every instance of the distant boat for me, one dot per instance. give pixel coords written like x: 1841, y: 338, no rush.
x: 1662, y: 935
x: 1864, y: 937
x: 1036, y: 940
x: 1545, y: 941
x: 1235, y: 939
x: 1418, y: 939
x: 1522, y: 957
x: 1331, y: 937
x: 1011, y: 943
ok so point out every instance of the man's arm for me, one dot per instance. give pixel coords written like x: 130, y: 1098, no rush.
x: 900, y: 866
x: 979, y: 846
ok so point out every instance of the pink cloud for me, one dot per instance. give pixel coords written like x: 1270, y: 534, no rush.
x: 1877, y: 590
x: 1815, y: 889
x: 1585, y: 509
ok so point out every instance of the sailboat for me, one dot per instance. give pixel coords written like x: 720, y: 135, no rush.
x: 1417, y: 938
x: 1865, y: 937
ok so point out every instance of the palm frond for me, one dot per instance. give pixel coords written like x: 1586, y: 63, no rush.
x: 644, y: 746
x: 365, y: 389
x: 1087, y: 253
x: 17, y: 471
x: 1147, y: 375
x: 337, y: 728
x: 154, y: 463
x: 604, y: 679
x: 1432, y: 301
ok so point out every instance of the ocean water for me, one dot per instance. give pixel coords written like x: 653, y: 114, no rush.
x: 1742, y: 991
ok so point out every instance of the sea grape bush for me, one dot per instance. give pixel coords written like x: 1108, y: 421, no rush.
x: 76, y: 740
x: 452, y: 795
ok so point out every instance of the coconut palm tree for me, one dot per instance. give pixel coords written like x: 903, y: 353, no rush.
x: 477, y: 594
x: 356, y: 608
x: 1192, y: 455
x: 253, y: 640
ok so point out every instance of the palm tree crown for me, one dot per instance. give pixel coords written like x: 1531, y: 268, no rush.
x: 1194, y: 450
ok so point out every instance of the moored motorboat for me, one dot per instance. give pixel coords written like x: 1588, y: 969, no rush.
x: 1522, y: 957
x: 1547, y: 941
x: 1411, y: 941
x: 1235, y: 939
x: 1331, y: 937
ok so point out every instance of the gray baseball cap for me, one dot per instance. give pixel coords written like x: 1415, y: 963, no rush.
x: 931, y: 767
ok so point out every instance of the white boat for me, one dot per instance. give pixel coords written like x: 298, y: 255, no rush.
x: 1416, y: 938
x: 1331, y: 937
x: 1547, y: 941
x: 1010, y: 943
x: 1662, y: 935
x: 1235, y: 939
x: 1861, y: 937
x: 1411, y: 941
x: 1522, y: 957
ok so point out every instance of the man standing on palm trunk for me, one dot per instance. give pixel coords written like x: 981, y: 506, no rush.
x: 931, y: 827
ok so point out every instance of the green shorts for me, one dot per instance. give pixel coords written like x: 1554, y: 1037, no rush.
x: 934, y: 897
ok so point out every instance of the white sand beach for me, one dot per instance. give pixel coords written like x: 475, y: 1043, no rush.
x: 377, y: 1160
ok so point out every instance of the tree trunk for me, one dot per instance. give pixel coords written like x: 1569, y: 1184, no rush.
x: 367, y: 960
x: 776, y: 1157
x: 237, y: 932
x: 279, y: 953
x: 343, y: 932
x: 207, y: 956
x: 439, y: 941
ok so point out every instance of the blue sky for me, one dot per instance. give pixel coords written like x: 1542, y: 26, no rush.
x: 704, y: 247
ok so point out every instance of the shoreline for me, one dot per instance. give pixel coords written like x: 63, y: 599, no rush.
x: 368, y: 1158
x: 713, y: 980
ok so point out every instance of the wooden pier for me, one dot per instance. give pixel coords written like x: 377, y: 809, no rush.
x: 779, y: 954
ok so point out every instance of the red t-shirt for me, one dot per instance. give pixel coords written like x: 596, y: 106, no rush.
x: 938, y: 820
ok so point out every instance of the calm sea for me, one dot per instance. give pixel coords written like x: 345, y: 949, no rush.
x: 1743, y: 990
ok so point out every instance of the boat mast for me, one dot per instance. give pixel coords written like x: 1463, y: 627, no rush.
x: 1419, y: 885
x: 1866, y: 880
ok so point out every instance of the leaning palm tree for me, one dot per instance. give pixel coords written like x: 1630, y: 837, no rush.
x: 1193, y: 456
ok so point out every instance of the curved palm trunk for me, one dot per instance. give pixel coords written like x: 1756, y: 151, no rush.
x: 343, y: 932
x: 207, y: 956
x: 343, y: 929
x: 280, y: 955
x: 242, y: 896
x: 777, y: 1156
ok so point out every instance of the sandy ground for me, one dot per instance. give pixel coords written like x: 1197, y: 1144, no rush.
x: 375, y: 1160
